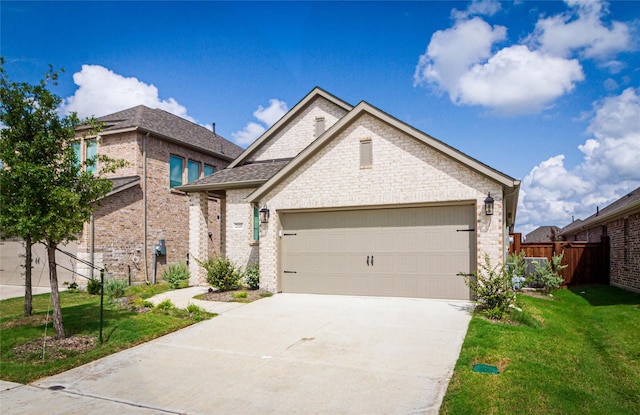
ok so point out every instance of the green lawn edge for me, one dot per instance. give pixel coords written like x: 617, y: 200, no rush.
x: 584, y: 358
x: 123, y: 328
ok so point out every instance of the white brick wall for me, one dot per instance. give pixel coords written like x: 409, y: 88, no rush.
x: 404, y: 171
x: 239, y: 245
x: 300, y: 132
x: 198, y: 237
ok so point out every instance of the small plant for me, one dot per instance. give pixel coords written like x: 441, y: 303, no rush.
x: 545, y: 275
x: 70, y: 286
x: 176, y: 275
x: 252, y: 276
x: 197, y: 313
x: 165, y: 306
x: 492, y: 287
x: 221, y: 273
x: 114, y: 289
x: 93, y: 286
x: 240, y: 294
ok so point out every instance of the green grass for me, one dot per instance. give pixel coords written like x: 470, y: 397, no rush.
x: 578, y: 354
x: 123, y: 328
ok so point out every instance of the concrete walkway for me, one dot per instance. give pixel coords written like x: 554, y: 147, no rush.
x: 287, y: 354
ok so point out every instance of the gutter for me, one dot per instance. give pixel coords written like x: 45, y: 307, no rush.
x: 220, y: 186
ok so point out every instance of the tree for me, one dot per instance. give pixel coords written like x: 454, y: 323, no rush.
x: 45, y: 194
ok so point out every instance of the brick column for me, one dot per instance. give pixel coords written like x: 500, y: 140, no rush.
x: 198, y: 236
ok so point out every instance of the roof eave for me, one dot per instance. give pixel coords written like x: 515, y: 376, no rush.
x: 601, y: 219
x: 220, y: 186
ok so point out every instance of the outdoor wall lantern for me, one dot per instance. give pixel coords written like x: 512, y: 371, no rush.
x: 264, y: 214
x: 488, y: 205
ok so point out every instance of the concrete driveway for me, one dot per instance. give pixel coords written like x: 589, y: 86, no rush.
x: 288, y: 354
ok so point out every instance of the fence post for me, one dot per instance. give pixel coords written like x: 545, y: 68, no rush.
x: 101, y: 301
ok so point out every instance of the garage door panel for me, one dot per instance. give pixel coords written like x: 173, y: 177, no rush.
x: 417, y: 252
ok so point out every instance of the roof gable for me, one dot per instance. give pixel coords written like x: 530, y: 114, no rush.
x: 350, y: 118
x: 272, y: 133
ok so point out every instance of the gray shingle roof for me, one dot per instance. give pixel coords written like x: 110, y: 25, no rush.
x: 630, y: 198
x: 170, y: 126
x: 245, y: 173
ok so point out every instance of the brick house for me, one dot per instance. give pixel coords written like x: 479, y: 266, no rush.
x: 163, y: 151
x: 340, y: 199
x: 620, y: 221
x: 543, y: 234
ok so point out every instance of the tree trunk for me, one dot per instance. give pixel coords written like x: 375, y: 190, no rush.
x: 55, y: 294
x: 28, y: 294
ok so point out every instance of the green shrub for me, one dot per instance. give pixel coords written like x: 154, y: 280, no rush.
x: 93, y: 286
x: 240, y: 294
x: 176, y: 275
x: 165, y: 306
x: 114, y: 289
x: 221, y: 273
x: 252, y: 276
x: 492, y: 287
x: 545, y: 274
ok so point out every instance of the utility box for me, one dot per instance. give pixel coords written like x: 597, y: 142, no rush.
x: 161, y: 248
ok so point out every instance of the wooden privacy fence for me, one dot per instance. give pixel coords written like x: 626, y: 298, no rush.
x: 587, y: 262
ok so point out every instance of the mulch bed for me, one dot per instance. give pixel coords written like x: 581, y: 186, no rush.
x: 55, y: 349
x: 233, y: 296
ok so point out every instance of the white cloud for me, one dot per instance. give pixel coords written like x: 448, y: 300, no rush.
x: 581, y: 29
x: 267, y: 116
x: 453, y: 51
x: 517, y: 80
x: 101, y: 92
x: 478, y: 7
x: 552, y: 194
x: 520, y: 78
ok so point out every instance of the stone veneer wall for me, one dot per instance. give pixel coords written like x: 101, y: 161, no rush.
x: 119, y: 233
x: 299, y: 133
x: 404, y: 172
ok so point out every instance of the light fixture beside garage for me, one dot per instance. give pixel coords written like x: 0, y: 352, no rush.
x: 488, y: 205
x: 264, y: 214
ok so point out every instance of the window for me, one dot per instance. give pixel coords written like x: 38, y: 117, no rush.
x: 91, y: 152
x: 366, y: 152
x: 209, y: 170
x: 76, y: 145
x: 193, y: 171
x: 175, y: 175
x: 256, y: 223
x: 319, y: 126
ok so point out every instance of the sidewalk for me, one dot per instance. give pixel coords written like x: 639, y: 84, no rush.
x: 13, y: 291
x: 183, y: 297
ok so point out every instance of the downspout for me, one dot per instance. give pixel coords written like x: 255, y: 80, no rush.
x: 144, y: 206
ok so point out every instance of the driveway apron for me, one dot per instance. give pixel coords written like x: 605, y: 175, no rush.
x: 287, y: 354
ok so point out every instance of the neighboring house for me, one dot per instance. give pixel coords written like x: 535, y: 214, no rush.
x: 339, y: 199
x: 620, y: 221
x: 163, y: 152
x: 543, y: 234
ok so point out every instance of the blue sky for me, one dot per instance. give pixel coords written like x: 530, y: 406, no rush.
x: 546, y: 92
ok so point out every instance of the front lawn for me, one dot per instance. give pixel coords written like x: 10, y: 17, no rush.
x: 21, y: 338
x: 582, y: 358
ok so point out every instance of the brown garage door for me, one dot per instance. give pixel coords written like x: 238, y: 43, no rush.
x: 405, y: 252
